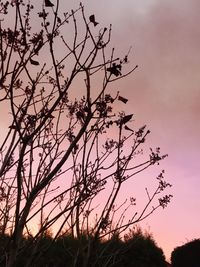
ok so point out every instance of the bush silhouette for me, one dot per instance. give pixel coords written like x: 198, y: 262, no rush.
x: 136, y: 249
x: 141, y: 251
x: 187, y: 255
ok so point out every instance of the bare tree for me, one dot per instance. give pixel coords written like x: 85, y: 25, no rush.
x: 57, y: 157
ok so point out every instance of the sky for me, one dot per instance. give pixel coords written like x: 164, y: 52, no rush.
x: 163, y: 93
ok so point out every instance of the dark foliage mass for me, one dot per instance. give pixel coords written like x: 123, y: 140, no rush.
x: 187, y: 255
x: 136, y: 249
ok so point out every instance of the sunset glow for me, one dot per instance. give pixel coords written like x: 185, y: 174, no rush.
x: 163, y: 39
x: 164, y: 93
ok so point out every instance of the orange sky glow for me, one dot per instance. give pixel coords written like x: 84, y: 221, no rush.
x: 164, y: 94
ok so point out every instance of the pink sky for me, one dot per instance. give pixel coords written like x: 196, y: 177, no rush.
x: 163, y: 93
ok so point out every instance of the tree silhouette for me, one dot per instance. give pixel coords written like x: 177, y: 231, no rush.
x: 57, y: 157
